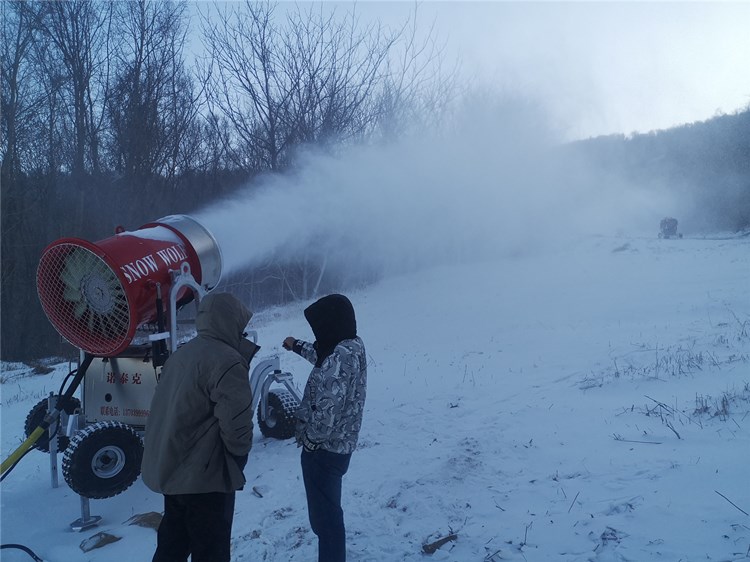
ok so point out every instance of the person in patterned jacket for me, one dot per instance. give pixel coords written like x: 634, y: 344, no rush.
x: 330, y: 415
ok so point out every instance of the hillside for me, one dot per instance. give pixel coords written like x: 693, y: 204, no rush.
x: 705, y: 166
x: 590, y: 402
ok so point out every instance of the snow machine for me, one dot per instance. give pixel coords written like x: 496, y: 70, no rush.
x: 117, y: 301
x: 668, y: 228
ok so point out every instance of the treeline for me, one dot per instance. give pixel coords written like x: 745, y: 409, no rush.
x: 109, y: 117
x: 705, y: 165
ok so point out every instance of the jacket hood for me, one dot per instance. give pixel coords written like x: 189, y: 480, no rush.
x: 332, y: 321
x: 223, y: 317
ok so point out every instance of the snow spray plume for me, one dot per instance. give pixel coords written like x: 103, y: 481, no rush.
x: 492, y: 184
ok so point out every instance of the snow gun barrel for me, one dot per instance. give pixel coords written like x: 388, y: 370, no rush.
x: 97, y: 294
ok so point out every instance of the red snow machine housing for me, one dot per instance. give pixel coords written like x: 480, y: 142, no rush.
x: 97, y: 294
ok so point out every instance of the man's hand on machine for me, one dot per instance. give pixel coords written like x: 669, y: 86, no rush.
x: 288, y: 343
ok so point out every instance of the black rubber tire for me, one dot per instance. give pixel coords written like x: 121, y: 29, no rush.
x: 103, y: 460
x: 280, y: 420
x: 35, y: 418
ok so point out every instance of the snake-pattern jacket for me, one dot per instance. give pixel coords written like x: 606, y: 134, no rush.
x: 330, y: 414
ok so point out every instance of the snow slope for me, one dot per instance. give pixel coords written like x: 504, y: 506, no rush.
x: 587, y: 404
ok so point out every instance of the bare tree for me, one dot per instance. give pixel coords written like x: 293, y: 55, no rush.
x: 21, y: 98
x: 336, y: 66
x: 24, y: 99
x: 420, y: 84
x: 242, y: 80
x: 22, y: 103
x: 81, y: 32
x: 312, y: 76
x: 153, y: 112
x: 307, y: 76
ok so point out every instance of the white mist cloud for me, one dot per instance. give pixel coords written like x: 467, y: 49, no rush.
x: 494, y: 183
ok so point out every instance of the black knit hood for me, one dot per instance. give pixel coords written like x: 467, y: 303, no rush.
x: 332, y: 321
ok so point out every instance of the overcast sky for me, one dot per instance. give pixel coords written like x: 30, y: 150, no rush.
x: 602, y: 67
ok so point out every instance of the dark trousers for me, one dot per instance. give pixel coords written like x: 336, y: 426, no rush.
x: 322, y: 472
x: 195, y: 524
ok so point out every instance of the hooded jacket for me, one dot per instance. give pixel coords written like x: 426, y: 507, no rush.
x: 199, y: 430
x: 330, y: 414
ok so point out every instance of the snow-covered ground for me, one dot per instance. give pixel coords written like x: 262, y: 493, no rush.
x: 591, y: 403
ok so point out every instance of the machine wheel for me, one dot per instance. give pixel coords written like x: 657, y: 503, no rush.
x: 280, y: 420
x: 103, y: 460
x: 35, y: 418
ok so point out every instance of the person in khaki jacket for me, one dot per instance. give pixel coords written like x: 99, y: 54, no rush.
x: 199, y: 433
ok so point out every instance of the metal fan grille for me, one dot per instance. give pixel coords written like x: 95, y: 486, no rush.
x: 84, y: 299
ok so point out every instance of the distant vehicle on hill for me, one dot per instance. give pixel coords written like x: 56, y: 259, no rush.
x: 668, y: 228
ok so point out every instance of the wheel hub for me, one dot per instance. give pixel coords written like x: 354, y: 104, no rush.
x: 108, y: 462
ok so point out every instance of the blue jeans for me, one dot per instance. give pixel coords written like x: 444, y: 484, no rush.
x: 322, y: 472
